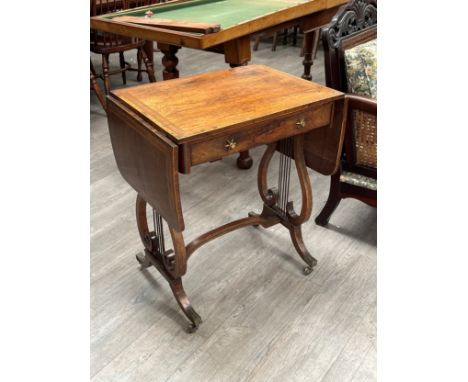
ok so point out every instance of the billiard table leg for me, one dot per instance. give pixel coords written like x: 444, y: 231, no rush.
x: 169, y: 60
x: 149, y: 50
x: 244, y: 161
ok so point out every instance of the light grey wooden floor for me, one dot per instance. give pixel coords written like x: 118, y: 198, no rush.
x: 262, y: 319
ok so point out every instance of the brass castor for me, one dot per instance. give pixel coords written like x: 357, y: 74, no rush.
x: 196, y: 321
x: 192, y: 328
x: 307, y: 270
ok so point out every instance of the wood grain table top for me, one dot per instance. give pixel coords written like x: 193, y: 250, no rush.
x: 193, y: 107
x: 237, y: 18
x: 225, y: 12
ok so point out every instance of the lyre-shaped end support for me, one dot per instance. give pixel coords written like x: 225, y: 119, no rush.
x: 172, y: 264
x: 276, y: 201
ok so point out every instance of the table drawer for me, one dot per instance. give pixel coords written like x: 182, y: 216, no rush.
x: 261, y: 133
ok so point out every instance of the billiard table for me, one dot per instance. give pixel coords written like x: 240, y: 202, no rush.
x: 222, y: 26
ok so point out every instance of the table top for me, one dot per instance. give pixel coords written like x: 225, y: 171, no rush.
x: 224, y: 12
x: 194, y: 107
x: 236, y: 18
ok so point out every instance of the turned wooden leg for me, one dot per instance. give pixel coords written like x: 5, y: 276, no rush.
x: 169, y: 61
x: 334, y: 198
x: 148, y: 65
x: 256, y: 43
x: 139, y: 62
x: 122, y: 66
x: 316, y: 43
x: 105, y: 73
x: 309, y: 38
x: 172, y: 264
x: 275, y: 41
x: 244, y: 161
x: 285, y: 36
x: 149, y: 50
x: 237, y: 53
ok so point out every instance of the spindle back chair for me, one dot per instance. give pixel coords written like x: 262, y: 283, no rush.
x: 104, y: 43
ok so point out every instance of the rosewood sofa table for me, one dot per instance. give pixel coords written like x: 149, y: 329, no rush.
x: 160, y: 129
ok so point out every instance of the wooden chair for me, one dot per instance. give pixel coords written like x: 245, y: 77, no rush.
x: 282, y: 33
x: 352, y: 28
x: 104, y: 43
x: 294, y: 32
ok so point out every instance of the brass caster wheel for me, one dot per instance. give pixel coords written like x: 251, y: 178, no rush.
x: 192, y: 328
x: 307, y: 270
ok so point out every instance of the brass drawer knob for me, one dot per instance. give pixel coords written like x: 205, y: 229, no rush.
x: 230, y: 144
x: 301, y: 123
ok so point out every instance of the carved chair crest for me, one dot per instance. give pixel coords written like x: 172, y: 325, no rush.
x: 353, y: 17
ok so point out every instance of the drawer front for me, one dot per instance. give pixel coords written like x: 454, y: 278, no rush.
x: 261, y: 133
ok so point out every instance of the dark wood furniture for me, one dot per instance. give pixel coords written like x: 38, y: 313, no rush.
x: 354, y: 24
x: 158, y: 130
x: 105, y: 44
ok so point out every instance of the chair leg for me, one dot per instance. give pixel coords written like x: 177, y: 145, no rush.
x: 303, y: 45
x: 256, y: 43
x: 148, y: 65
x: 317, y: 35
x: 105, y: 73
x: 285, y: 37
x: 122, y: 66
x: 334, y: 199
x: 139, y: 76
x: 295, y: 35
x: 275, y: 41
